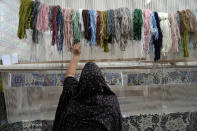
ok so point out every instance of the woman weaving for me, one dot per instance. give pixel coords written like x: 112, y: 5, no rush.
x: 87, y: 105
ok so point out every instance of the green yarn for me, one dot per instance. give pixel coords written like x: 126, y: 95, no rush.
x: 106, y: 36
x: 76, y: 30
x: 137, y: 24
x: 185, y: 35
x: 25, y: 19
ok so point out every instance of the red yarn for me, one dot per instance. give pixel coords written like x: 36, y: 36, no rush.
x: 54, y: 26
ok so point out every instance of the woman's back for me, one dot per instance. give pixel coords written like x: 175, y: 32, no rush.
x: 87, y: 105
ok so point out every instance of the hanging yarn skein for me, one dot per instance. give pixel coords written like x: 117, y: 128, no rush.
x: 146, y: 39
x: 60, y: 30
x: 105, y: 36
x: 50, y: 16
x: 76, y: 28
x: 152, y: 33
x: 165, y: 27
x: 155, y: 29
x: 86, y: 21
x: 35, y: 34
x: 182, y: 27
x: 137, y: 24
x: 157, y: 42
x: 185, y: 35
x: 174, y: 32
x: 25, y: 19
x: 191, y: 20
x: 54, y: 26
x: 111, y: 26
x: 180, y: 44
x: 81, y: 21
x: 99, y: 28
x: 68, y: 28
x: 123, y: 27
x: 92, y: 14
x: 42, y: 20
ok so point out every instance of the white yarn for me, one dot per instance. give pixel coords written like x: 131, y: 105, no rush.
x: 142, y: 40
x: 81, y: 20
x: 166, y: 30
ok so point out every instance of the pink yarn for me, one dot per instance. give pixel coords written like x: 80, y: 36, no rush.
x: 175, y: 32
x: 147, y: 15
x: 42, y: 20
x: 68, y: 28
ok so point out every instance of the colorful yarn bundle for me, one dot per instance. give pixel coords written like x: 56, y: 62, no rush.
x: 175, y: 32
x: 185, y: 35
x: 99, y: 28
x: 123, y: 27
x: 76, y: 29
x: 137, y: 24
x: 42, y: 20
x: 191, y: 20
x: 35, y: 34
x: 105, y: 36
x: 68, y: 28
x: 111, y: 26
x: 146, y: 39
x: 60, y: 30
x: 86, y: 21
x: 25, y: 18
x: 158, y: 42
x: 92, y: 27
x: 81, y: 21
x: 167, y: 32
x: 54, y: 26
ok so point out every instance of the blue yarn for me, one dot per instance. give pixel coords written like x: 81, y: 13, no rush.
x: 60, y: 31
x: 158, y: 43
x: 111, y: 26
x: 155, y: 27
x: 92, y: 26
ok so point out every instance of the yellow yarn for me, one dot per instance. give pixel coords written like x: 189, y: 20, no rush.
x: 104, y: 42
x: 25, y: 20
x: 185, y: 35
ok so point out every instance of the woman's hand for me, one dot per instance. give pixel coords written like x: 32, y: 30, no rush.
x: 77, y: 49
